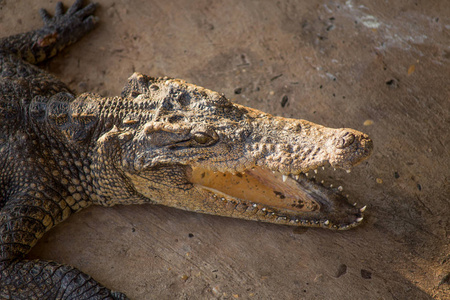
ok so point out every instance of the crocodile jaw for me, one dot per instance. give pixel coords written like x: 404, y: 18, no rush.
x: 264, y: 195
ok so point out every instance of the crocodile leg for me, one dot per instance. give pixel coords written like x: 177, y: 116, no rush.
x: 19, y: 52
x: 58, y: 32
x: 23, y: 220
x: 39, y: 279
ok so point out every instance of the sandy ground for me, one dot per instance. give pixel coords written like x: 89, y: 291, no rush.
x: 381, y: 67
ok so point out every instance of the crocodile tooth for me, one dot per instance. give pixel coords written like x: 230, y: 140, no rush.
x: 306, y: 174
x: 315, y: 171
x: 322, y: 182
x: 297, y: 177
x: 331, y: 185
x: 359, y: 219
x: 326, y: 222
x: 323, y: 168
x: 354, y: 204
x: 334, y: 169
x: 340, y: 188
x: 348, y: 171
x: 362, y: 209
x: 284, y: 178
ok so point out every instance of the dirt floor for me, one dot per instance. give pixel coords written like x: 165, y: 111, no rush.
x: 382, y: 67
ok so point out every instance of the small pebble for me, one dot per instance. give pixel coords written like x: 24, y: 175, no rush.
x: 368, y: 122
x: 366, y: 274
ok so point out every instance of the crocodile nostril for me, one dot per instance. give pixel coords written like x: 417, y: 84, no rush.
x: 367, y: 145
x: 346, y: 140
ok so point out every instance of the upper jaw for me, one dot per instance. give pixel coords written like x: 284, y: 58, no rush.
x: 293, y: 153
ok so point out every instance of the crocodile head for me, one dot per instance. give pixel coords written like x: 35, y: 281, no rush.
x: 188, y: 147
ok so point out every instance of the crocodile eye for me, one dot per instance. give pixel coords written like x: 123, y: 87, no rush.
x: 346, y: 140
x: 202, y: 138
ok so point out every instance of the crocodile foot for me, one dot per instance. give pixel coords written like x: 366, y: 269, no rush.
x: 66, y: 28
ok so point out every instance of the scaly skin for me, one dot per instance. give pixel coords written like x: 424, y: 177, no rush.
x: 163, y: 141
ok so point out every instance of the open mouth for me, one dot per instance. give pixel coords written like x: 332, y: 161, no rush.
x: 265, y: 195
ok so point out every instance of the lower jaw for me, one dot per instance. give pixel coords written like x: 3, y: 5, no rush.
x: 258, y: 194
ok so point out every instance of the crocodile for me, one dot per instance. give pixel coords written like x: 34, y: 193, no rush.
x: 162, y: 141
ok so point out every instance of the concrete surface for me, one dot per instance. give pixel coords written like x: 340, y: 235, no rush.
x: 382, y: 67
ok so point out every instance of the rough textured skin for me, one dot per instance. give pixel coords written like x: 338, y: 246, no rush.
x: 162, y: 141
